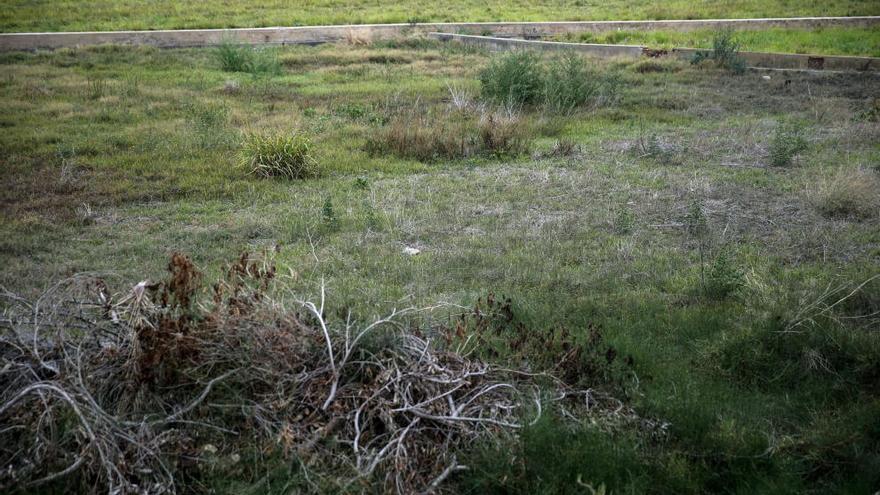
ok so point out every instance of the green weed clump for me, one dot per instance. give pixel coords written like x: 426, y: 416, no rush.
x: 515, y: 78
x: 234, y: 57
x: 279, y: 155
x: 570, y: 84
x: 562, y: 85
x: 789, y: 140
x: 724, y: 53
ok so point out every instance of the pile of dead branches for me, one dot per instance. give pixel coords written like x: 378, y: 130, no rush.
x: 118, y: 392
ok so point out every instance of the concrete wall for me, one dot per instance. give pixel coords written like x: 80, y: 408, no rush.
x: 753, y: 59
x: 368, y: 32
x: 500, y: 44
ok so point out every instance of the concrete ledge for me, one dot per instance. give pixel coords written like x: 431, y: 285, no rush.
x: 753, y: 59
x: 500, y: 44
x: 369, y: 32
x: 798, y: 61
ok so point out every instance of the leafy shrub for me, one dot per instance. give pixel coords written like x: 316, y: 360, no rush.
x: 725, y: 52
x: 849, y: 193
x: 242, y: 58
x: 279, y: 155
x: 514, y: 78
x: 789, y: 140
x: 570, y: 84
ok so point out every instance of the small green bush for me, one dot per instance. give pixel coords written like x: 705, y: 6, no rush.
x: 724, y: 278
x: 562, y: 85
x: 328, y: 215
x: 242, y: 58
x: 789, y: 140
x: 725, y: 52
x: 514, y: 78
x: 279, y: 155
x: 570, y: 84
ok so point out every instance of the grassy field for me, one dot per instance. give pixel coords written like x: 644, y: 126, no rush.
x: 654, y: 213
x: 830, y: 41
x: 85, y: 15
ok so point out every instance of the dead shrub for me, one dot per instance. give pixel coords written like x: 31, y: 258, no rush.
x: 125, y: 392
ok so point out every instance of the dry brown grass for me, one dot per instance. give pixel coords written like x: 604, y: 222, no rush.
x: 848, y: 193
x: 424, y: 135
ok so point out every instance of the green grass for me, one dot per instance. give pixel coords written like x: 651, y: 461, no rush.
x: 85, y: 15
x: 826, y: 41
x: 114, y: 157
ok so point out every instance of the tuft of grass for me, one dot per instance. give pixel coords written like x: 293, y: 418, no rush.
x: 279, y: 155
x: 234, y: 57
x: 96, y: 88
x: 425, y: 136
x: 849, y: 193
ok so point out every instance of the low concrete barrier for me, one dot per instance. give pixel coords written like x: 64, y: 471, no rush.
x: 753, y: 59
x: 368, y: 32
x: 500, y: 44
x: 798, y: 61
